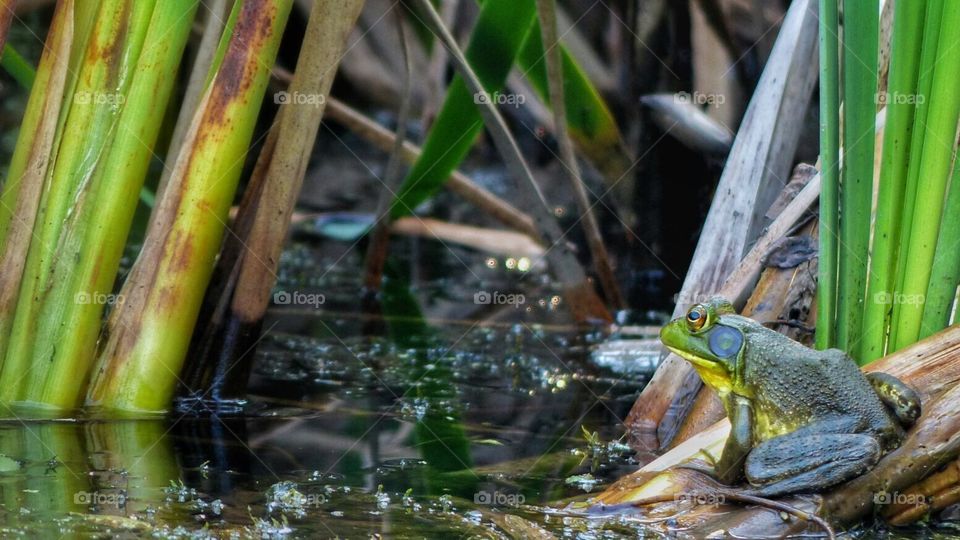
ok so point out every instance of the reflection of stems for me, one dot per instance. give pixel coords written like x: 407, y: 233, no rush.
x: 142, y: 449
x: 56, y: 479
x: 546, y: 10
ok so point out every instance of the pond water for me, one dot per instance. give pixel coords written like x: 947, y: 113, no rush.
x: 441, y: 418
x: 438, y: 423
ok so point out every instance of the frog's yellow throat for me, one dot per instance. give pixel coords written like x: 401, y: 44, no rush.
x: 713, y: 374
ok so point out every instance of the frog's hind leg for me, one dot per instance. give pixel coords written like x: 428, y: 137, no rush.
x: 903, y: 401
x: 804, y: 462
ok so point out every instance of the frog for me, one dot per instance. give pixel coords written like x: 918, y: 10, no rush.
x: 801, y: 420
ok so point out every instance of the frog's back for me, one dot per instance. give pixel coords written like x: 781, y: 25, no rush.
x: 805, y: 386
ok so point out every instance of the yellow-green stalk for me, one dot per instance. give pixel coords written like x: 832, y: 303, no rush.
x: 934, y: 170
x: 901, y: 100
x: 20, y: 199
x: 73, y: 23
x: 97, y: 227
x: 123, y: 84
x: 149, y: 333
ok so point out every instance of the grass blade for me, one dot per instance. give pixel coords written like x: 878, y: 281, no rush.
x: 589, y: 120
x: 546, y: 10
x: 859, y: 110
x: 830, y: 172
x: 496, y: 39
x: 578, y: 291
x: 900, y: 102
x: 939, y: 136
x: 945, y: 274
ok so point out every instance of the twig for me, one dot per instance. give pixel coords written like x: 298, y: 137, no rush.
x: 458, y: 182
x: 376, y: 256
x: 583, y: 298
x: 737, y: 496
x: 546, y: 10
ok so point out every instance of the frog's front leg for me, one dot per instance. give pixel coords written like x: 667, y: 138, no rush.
x: 809, y: 460
x: 729, y: 468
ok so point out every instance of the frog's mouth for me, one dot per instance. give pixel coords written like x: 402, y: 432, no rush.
x: 693, y: 359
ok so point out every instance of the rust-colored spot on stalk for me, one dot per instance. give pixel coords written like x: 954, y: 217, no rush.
x: 235, y: 76
x: 111, y: 53
x: 181, y: 252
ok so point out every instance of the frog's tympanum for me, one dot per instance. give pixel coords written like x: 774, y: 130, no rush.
x: 801, y: 420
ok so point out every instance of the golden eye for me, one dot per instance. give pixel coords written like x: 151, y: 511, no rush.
x: 696, y: 318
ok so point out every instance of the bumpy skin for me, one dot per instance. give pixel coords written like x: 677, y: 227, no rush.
x: 801, y: 420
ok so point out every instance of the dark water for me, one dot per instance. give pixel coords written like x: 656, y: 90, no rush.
x: 440, y: 418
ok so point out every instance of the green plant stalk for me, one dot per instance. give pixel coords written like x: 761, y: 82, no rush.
x: 906, y: 49
x: 68, y: 35
x: 17, y: 66
x: 91, y: 108
x: 589, y: 120
x: 35, y: 110
x: 829, y: 171
x: 494, y: 44
x: 928, y: 61
x: 97, y: 228
x: 934, y: 170
x: 149, y: 333
x: 547, y: 17
x: 945, y: 274
x: 859, y: 111
x: 30, y: 163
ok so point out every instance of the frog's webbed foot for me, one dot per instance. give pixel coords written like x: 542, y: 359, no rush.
x: 703, y: 463
x: 809, y: 463
x: 903, y: 401
x: 700, y: 466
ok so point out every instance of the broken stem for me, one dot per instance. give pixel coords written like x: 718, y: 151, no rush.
x: 546, y: 9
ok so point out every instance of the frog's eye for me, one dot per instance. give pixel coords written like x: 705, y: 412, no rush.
x: 696, y: 318
x: 725, y: 341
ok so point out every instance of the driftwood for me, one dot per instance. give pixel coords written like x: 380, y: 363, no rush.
x: 931, y: 366
x: 779, y: 292
x: 640, y: 426
x: 759, y: 161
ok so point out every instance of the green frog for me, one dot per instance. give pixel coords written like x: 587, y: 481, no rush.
x: 801, y: 420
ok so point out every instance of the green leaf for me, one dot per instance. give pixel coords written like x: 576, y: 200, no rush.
x: 495, y: 42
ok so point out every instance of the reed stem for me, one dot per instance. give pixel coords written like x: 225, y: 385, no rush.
x: 939, y: 136
x: 860, y: 35
x: 829, y: 173
x: 900, y: 100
